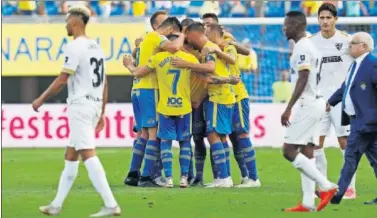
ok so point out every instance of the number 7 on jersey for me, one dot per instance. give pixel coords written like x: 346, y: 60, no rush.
x: 176, y: 74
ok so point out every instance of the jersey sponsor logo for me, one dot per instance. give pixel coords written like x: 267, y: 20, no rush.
x: 174, y: 102
x: 331, y: 59
x: 339, y: 46
x: 302, y: 57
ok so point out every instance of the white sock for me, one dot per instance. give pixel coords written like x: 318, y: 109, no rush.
x: 308, y: 189
x: 321, y: 161
x: 303, y: 164
x: 353, y: 180
x: 67, y: 178
x: 98, y: 177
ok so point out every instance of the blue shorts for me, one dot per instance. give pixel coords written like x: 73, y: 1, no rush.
x: 198, y: 119
x: 240, y: 122
x: 174, y: 127
x: 144, y: 103
x: 219, y: 118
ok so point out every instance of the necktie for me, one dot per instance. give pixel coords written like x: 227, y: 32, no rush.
x: 348, y: 84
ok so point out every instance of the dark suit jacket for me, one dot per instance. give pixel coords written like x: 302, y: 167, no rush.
x: 363, y: 94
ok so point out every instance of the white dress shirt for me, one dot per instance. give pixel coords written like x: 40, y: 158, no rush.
x: 348, y: 105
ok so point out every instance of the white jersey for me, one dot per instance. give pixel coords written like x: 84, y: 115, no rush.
x: 335, y: 60
x: 306, y: 57
x: 85, y: 61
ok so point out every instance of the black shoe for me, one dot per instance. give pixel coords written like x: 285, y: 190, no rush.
x: 147, y: 182
x: 132, y: 178
x: 197, y: 182
x: 374, y: 201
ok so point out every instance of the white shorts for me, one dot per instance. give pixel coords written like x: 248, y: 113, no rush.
x: 334, y: 118
x: 83, y: 117
x: 305, y: 123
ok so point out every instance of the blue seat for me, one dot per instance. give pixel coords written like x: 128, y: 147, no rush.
x: 51, y: 8
x: 7, y: 9
x: 177, y: 11
x: 275, y: 9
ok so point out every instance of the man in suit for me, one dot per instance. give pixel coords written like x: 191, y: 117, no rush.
x: 358, y: 96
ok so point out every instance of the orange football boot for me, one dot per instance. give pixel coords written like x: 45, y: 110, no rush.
x: 298, y: 208
x: 326, y: 197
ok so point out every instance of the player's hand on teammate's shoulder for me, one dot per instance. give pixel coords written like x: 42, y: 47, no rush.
x: 101, y: 123
x: 37, y: 103
x: 179, y: 63
x: 234, y: 80
x: 285, y: 117
x: 328, y: 107
x: 127, y: 60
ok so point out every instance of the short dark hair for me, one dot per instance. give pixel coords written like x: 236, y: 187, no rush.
x: 80, y: 15
x: 172, y: 37
x: 196, y: 26
x: 187, y: 22
x: 155, y: 15
x: 172, y: 22
x: 210, y: 15
x: 328, y: 7
x: 217, y: 28
x: 299, y: 17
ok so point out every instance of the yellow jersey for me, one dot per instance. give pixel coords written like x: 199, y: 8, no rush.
x: 221, y: 94
x: 173, y: 83
x: 27, y: 5
x: 240, y: 91
x: 138, y: 8
x: 148, y: 47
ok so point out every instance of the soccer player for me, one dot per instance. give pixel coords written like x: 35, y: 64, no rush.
x: 221, y: 100
x: 211, y: 18
x: 174, y: 108
x: 333, y: 45
x: 145, y: 96
x: 84, y: 71
x: 307, y: 108
x: 138, y: 150
x: 243, y: 150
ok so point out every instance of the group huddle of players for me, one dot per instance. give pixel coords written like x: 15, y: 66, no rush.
x: 187, y: 85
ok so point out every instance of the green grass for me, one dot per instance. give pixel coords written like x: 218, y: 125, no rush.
x: 30, y: 179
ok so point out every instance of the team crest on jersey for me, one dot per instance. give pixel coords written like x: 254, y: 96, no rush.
x: 339, y: 46
x: 363, y: 86
x: 302, y: 57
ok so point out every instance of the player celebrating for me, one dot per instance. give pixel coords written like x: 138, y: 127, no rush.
x: 87, y: 96
x: 333, y: 45
x: 145, y: 95
x: 221, y: 100
x: 240, y: 126
x: 138, y: 150
x: 307, y: 108
x: 174, y: 108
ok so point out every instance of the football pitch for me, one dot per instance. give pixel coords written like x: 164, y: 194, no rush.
x: 30, y: 178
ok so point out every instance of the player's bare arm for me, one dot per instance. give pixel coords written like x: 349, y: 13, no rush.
x: 54, y: 89
x: 227, y: 57
x: 241, y: 49
x: 173, y: 46
x: 302, y: 80
x: 137, y: 44
x: 101, y: 122
x: 233, y: 80
x: 208, y: 67
x: 138, y: 72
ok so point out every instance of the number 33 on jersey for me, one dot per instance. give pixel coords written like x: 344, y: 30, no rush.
x: 84, y: 60
x: 173, y: 83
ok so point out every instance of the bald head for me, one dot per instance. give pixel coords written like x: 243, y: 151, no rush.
x: 365, y: 38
